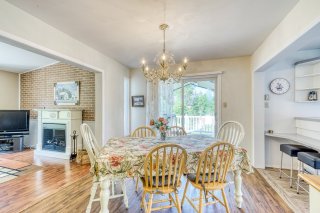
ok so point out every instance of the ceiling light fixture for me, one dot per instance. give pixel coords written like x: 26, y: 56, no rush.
x: 164, y: 60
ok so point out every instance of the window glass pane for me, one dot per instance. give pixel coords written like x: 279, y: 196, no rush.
x: 199, y: 106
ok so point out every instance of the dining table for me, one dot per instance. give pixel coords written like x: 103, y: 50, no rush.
x: 123, y: 157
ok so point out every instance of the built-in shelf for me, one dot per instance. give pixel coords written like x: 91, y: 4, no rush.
x: 308, y: 75
x: 313, y: 143
x: 307, y: 79
x: 314, y: 88
x: 307, y: 101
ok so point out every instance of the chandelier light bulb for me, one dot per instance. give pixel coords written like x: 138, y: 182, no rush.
x: 143, y: 62
x: 147, y: 68
x: 185, y: 60
x: 180, y: 69
x: 164, y: 57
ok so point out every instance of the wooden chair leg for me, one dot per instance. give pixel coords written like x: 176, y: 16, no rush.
x: 142, y: 205
x: 150, y: 203
x: 137, y: 184
x: 169, y: 199
x: 177, y: 202
x: 200, y: 201
x: 184, y: 193
x: 93, y: 194
x: 225, y: 201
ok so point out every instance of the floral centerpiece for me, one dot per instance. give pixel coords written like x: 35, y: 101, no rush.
x: 160, y: 124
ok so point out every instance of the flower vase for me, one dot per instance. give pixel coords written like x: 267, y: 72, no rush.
x: 163, y: 136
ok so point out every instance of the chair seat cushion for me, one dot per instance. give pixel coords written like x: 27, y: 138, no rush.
x: 310, y: 158
x: 293, y: 149
x: 192, y: 178
x: 161, y: 181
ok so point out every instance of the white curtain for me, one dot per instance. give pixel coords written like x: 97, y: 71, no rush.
x: 160, y: 100
x: 152, y: 101
x: 166, y: 99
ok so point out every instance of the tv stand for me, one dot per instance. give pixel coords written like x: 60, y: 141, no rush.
x: 12, y: 143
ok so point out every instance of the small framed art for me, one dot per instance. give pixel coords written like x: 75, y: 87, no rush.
x: 138, y: 101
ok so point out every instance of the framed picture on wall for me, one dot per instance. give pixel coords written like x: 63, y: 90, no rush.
x: 138, y: 101
x: 66, y: 93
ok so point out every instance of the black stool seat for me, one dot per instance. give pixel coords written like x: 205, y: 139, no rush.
x: 293, y: 149
x: 310, y: 158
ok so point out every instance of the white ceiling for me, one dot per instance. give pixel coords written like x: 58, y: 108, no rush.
x: 18, y: 60
x: 128, y: 30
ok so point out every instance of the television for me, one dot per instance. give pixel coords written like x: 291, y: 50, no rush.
x: 14, y: 122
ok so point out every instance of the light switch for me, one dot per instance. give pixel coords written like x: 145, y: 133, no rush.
x: 225, y: 104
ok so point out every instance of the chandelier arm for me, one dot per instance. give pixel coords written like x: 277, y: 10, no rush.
x: 164, y: 40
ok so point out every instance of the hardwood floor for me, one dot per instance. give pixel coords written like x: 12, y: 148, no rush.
x: 28, y: 189
x: 64, y: 187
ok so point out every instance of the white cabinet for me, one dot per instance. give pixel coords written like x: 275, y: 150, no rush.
x: 307, y: 79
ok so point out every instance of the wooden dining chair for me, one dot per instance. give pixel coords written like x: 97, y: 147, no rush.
x: 176, y: 131
x: 231, y: 132
x: 93, y: 150
x: 210, y: 176
x: 143, y: 132
x: 163, y: 167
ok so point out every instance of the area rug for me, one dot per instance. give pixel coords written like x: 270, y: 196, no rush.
x: 297, y: 202
x: 12, y: 164
x: 7, y: 174
x: 11, y: 169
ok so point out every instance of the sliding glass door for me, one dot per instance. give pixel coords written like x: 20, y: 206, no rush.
x: 195, y: 105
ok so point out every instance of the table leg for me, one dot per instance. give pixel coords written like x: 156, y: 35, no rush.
x: 124, y: 191
x: 104, y: 195
x: 238, y: 186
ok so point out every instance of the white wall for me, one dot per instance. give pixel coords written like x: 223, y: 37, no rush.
x: 259, y: 116
x: 98, y: 107
x: 138, y: 86
x: 299, y: 20
x: 9, y: 90
x: 279, y: 116
x: 113, y: 105
x: 35, y: 35
x: 236, y: 92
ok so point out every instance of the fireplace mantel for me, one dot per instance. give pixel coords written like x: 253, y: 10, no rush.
x: 70, y: 119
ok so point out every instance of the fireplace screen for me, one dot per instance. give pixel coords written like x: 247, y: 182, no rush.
x: 54, y: 137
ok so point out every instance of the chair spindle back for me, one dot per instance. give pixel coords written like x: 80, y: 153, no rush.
x: 231, y: 132
x: 143, y: 132
x: 176, y: 131
x: 214, y: 163
x: 90, y: 142
x: 164, y: 166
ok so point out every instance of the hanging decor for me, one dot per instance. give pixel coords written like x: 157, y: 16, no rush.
x: 165, y: 62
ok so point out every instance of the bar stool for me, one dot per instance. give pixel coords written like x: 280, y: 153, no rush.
x: 312, y: 159
x: 292, y: 150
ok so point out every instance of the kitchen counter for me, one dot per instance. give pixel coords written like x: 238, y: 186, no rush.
x: 314, y: 191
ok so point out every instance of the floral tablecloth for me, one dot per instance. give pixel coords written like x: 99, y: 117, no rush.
x: 124, y: 157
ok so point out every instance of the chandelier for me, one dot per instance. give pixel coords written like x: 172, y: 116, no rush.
x: 165, y: 62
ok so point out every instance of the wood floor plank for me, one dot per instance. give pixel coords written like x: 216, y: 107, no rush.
x: 64, y: 187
